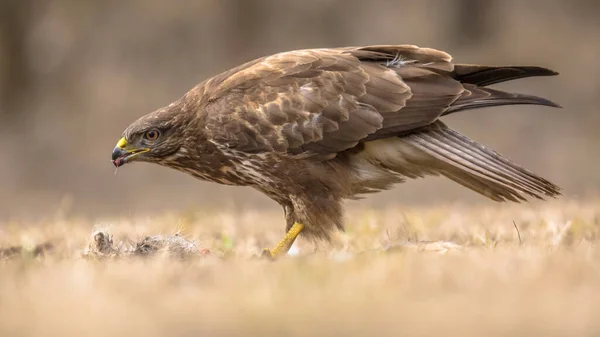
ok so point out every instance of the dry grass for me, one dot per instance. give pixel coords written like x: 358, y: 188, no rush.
x: 474, y: 278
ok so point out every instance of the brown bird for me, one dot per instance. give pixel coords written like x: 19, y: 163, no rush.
x: 310, y: 128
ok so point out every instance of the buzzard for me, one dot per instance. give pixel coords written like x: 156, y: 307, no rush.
x: 310, y: 128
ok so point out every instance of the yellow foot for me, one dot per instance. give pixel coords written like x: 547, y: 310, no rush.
x: 285, y: 244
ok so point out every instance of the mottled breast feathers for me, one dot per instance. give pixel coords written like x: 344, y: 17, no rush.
x: 323, y: 101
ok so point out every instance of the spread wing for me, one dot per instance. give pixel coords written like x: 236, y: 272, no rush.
x: 323, y: 101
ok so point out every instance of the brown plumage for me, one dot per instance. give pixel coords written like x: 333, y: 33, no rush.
x: 310, y: 128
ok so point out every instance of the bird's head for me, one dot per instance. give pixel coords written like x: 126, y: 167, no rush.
x: 152, y: 138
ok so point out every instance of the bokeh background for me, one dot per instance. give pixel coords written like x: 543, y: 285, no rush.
x: 74, y: 74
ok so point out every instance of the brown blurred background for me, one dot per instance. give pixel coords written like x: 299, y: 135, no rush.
x: 74, y: 74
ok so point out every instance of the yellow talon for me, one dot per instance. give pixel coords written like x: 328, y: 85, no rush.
x: 285, y: 244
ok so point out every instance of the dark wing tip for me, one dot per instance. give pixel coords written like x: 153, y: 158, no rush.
x: 539, y: 71
x: 547, y: 102
x: 534, y: 71
x: 489, y: 75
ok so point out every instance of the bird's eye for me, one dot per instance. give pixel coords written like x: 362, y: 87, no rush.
x: 152, y: 135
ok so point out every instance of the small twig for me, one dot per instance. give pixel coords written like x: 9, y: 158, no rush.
x: 518, y: 233
x: 408, y: 235
x: 387, y: 243
x: 406, y: 231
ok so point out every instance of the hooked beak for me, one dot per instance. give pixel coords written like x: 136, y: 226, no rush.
x: 123, y: 153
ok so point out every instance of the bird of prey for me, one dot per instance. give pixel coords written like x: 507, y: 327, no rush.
x: 310, y: 128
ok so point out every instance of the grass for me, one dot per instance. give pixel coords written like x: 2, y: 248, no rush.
x: 449, y: 270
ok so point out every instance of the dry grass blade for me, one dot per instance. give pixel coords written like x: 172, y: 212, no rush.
x: 518, y: 232
x: 468, y: 275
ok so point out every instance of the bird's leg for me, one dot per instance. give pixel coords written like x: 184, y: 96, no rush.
x: 285, y: 244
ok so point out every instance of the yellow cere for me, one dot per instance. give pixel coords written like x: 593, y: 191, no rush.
x: 122, y: 143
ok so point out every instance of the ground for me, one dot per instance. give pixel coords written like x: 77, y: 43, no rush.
x: 518, y: 270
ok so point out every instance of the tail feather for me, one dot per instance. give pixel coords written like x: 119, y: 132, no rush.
x: 490, y: 190
x: 475, y: 151
x: 438, y: 150
x: 476, y: 167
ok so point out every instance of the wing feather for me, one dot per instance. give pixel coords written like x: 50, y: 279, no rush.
x: 324, y: 101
